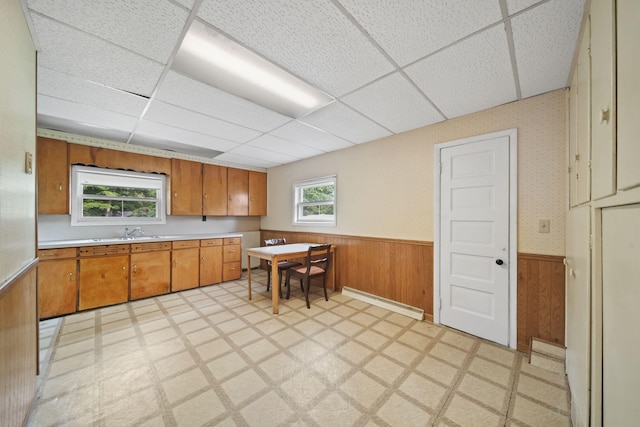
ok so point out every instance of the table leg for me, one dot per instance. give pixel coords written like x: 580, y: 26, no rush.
x: 275, y: 296
x: 249, y: 274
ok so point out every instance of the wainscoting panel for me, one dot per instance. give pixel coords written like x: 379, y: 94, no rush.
x: 541, y: 299
x: 399, y: 270
x: 402, y: 271
x: 18, y: 346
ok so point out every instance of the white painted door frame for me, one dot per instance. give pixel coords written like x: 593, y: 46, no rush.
x: 512, y: 262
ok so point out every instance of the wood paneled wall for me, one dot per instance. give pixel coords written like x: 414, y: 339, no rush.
x: 399, y: 270
x: 541, y: 299
x: 18, y: 346
x: 402, y: 271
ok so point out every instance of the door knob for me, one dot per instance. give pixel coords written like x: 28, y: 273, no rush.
x: 499, y: 262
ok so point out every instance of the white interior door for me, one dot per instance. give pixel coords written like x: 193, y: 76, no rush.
x: 474, y: 237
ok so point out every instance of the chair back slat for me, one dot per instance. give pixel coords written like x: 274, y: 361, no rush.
x: 318, y: 256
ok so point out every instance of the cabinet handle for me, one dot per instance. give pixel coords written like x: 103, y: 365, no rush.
x: 70, y: 276
x: 231, y: 251
x: 229, y: 197
x: 175, y: 262
x: 175, y: 194
x: 202, y: 260
x: 48, y: 254
x: 135, y: 268
x: 124, y: 269
x: 604, y: 116
x: 59, y: 187
x: 205, y: 195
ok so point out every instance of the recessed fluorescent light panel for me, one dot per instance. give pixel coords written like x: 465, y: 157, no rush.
x: 212, y: 58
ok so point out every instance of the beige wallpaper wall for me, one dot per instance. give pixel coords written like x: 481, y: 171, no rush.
x: 385, y: 187
x: 17, y: 136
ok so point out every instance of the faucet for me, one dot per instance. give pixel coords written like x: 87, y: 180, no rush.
x: 130, y: 234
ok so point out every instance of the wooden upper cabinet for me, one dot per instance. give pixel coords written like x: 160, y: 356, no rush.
x: 186, y: 187
x: 238, y: 187
x: 106, y: 158
x: 257, y: 193
x: 53, y: 176
x: 214, y: 190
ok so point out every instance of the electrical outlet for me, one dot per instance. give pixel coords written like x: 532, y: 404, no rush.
x: 544, y: 226
x: 28, y: 163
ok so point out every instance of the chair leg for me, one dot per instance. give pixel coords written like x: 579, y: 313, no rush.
x: 324, y: 285
x: 288, y: 284
x: 306, y: 291
x: 268, y: 280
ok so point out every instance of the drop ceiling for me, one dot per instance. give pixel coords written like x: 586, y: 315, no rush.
x: 105, y: 69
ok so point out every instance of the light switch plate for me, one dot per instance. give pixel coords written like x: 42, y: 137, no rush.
x: 28, y: 163
x: 544, y: 226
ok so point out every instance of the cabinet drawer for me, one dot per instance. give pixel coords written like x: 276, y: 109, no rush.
x: 183, y: 244
x: 210, y: 242
x: 231, y: 271
x: 104, y: 250
x: 231, y: 253
x: 148, y: 247
x: 233, y: 241
x: 59, y: 253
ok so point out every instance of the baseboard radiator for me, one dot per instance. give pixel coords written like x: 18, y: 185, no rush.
x: 396, y: 307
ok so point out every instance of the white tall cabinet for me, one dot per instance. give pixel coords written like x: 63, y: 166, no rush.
x: 603, y: 222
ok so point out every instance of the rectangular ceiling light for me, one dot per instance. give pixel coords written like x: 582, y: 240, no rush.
x: 214, y: 59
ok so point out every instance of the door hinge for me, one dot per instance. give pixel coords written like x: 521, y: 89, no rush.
x: 440, y: 168
x: 590, y: 241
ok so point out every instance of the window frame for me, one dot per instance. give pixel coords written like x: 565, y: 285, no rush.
x: 112, y: 177
x: 298, y: 205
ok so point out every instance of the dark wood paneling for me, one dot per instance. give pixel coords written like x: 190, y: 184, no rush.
x: 541, y: 299
x: 18, y: 346
x: 402, y: 271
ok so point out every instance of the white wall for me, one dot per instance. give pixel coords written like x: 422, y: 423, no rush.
x: 17, y: 137
x: 385, y: 187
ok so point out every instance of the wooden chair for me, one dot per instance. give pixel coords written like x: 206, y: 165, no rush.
x: 282, y: 265
x: 316, y: 264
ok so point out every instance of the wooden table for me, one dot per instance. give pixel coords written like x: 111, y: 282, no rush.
x: 276, y: 254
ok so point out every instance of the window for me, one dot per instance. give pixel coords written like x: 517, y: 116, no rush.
x: 105, y: 196
x: 315, y: 201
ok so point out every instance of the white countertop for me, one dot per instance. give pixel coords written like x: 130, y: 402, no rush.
x: 50, y: 244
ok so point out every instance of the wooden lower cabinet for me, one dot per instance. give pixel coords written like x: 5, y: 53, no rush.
x: 57, y: 287
x: 185, y: 265
x: 210, y: 261
x: 231, y: 258
x: 150, y: 272
x: 103, y: 281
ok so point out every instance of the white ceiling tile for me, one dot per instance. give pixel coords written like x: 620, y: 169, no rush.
x: 84, y: 114
x: 185, y: 92
x: 149, y: 129
x: 76, y: 53
x: 514, y: 6
x: 304, y: 134
x: 77, y: 128
x: 545, y: 39
x: 394, y: 103
x: 63, y: 86
x: 262, y: 154
x: 149, y: 27
x: 342, y: 121
x: 470, y: 76
x: 279, y: 145
x: 186, y: 119
x: 409, y: 30
x: 248, y: 161
x: 312, y: 39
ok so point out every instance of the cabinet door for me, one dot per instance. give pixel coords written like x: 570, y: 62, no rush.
x: 53, y: 176
x: 582, y: 155
x: 231, y: 271
x: 185, y: 269
x: 210, y: 265
x: 603, y: 103
x: 573, y: 138
x: 186, y: 187
x: 214, y: 190
x: 57, y: 287
x: 257, y: 193
x: 628, y: 42
x: 103, y: 281
x: 238, y: 186
x: 104, y: 157
x: 150, y: 274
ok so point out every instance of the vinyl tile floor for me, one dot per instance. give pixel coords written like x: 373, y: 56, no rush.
x: 209, y: 356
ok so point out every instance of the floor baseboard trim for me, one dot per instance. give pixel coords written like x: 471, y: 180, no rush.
x: 396, y: 307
